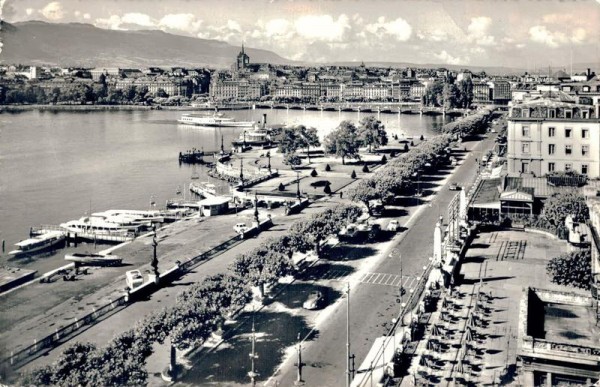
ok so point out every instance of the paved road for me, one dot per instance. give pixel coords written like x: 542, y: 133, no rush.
x: 373, y: 307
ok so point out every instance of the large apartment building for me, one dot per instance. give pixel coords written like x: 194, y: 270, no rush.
x: 554, y: 134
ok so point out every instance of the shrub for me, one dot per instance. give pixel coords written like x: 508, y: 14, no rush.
x: 406, y: 147
x: 383, y: 160
x: 313, y: 173
x: 281, y: 187
x: 327, y: 189
x: 422, y: 138
x: 353, y: 174
x: 327, y: 168
x: 572, y: 269
x: 365, y: 168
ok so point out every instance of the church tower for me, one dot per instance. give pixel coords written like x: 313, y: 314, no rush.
x: 243, y: 60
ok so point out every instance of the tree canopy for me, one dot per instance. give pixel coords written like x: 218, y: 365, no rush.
x: 558, y: 206
x: 572, y: 269
x: 343, y: 141
x: 371, y: 133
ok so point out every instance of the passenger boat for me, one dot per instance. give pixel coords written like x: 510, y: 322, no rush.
x: 90, y: 259
x: 130, y: 217
x: 204, y: 189
x: 97, y: 229
x: 215, y: 120
x: 256, y: 137
x: 40, y: 242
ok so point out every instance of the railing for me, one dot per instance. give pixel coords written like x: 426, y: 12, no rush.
x: 61, y: 335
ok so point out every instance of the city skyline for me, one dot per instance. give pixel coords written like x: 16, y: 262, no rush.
x: 523, y: 34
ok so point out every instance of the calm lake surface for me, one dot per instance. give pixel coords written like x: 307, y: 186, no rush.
x: 57, y: 166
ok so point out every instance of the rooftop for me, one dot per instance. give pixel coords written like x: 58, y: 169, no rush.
x: 570, y: 324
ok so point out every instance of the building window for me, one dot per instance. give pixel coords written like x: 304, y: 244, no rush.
x: 568, y: 114
x: 585, y: 149
x: 525, y: 147
x: 550, y: 167
x: 568, y: 149
x: 524, y: 167
x: 568, y: 167
x: 551, y: 131
x: 585, y: 133
x: 568, y: 132
x: 551, y: 149
x: 526, y: 131
x: 584, y: 169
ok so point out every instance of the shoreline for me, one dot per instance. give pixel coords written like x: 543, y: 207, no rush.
x: 22, y: 108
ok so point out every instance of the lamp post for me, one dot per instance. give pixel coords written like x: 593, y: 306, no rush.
x: 348, y: 357
x: 298, y: 185
x: 299, y: 364
x: 269, y: 161
x: 242, y: 173
x: 256, y: 209
x: 154, y: 262
x: 244, y: 144
x: 252, y: 374
x: 222, y: 146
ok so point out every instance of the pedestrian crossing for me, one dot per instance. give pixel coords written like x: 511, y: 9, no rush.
x: 385, y: 279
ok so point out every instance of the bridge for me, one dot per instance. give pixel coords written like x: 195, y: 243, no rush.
x: 364, y: 107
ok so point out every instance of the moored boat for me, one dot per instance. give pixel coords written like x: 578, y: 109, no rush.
x: 91, y: 259
x: 98, y: 229
x: 38, y: 243
x: 204, y: 189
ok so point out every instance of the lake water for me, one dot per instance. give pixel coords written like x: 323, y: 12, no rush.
x: 57, y: 166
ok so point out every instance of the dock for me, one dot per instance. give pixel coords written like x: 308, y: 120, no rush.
x: 11, y: 277
x: 87, y: 236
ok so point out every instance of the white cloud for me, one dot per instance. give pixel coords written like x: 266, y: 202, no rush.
x: 399, y: 28
x: 113, y: 22
x: 53, y: 11
x: 436, y: 35
x: 87, y: 16
x: 77, y: 13
x: 449, y: 59
x: 29, y: 11
x: 541, y: 34
x: 186, y: 22
x: 579, y: 35
x: 322, y: 27
x: 277, y: 27
x: 140, y: 19
x: 478, y: 31
x: 232, y: 25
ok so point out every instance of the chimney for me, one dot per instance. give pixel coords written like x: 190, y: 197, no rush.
x: 588, y: 73
x: 264, y: 120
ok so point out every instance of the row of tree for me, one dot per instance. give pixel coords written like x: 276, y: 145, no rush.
x: 396, y: 177
x: 469, y: 125
x: 198, y: 311
x: 345, y: 141
x: 79, y: 93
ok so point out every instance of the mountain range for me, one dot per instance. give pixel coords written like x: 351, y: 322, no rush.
x: 78, y: 44
x: 84, y: 45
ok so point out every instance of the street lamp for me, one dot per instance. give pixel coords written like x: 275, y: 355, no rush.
x: 256, y: 208
x: 154, y: 262
x: 244, y: 144
x: 269, y: 161
x: 298, y: 185
x: 299, y: 364
x: 242, y: 173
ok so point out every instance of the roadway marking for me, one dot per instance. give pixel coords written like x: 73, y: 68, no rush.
x: 387, y: 279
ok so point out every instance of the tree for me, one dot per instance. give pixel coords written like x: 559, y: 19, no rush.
x: 559, y: 205
x: 161, y: 93
x: 314, y: 173
x: 365, y: 168
x: 449, y: 95
x: 572, y: 269
x: 371, y: 133
x: 327, y: 189
x: 292, y: 159
x: 364, y: 192
x: 343, y: 142
x: 353, y: 174
x: 327, y: 168
x: 291, y: 139
x: 465, y: 92
x: 307, y: 137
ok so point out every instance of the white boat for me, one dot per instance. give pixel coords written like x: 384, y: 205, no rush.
x: 130, y: 217
x: 255, y: 137
x: 40, y: 242
x: 217, y: 119
x: 91, y: 259
x: 204, y: 189
x: 96, y: 228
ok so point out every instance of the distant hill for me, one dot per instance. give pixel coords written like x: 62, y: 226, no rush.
x: 474, y: 68
x: 77, y: 44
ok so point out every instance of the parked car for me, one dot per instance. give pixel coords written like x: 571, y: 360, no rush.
x: 393, y: 225
x: 134, y: 279
x: 241, y: 228
x: 315, y: 300
x: 454, y: 187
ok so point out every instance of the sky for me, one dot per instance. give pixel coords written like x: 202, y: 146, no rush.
x: 529, y: 34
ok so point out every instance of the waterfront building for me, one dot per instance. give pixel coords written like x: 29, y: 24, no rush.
x: 352, y: 91
x: 499, y: 92
x: 228, y: 89
x: 417, y: 90
x: 481, y: 93
x: 171, y: 86
x: 377, y: 91
x: 554, y: 134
